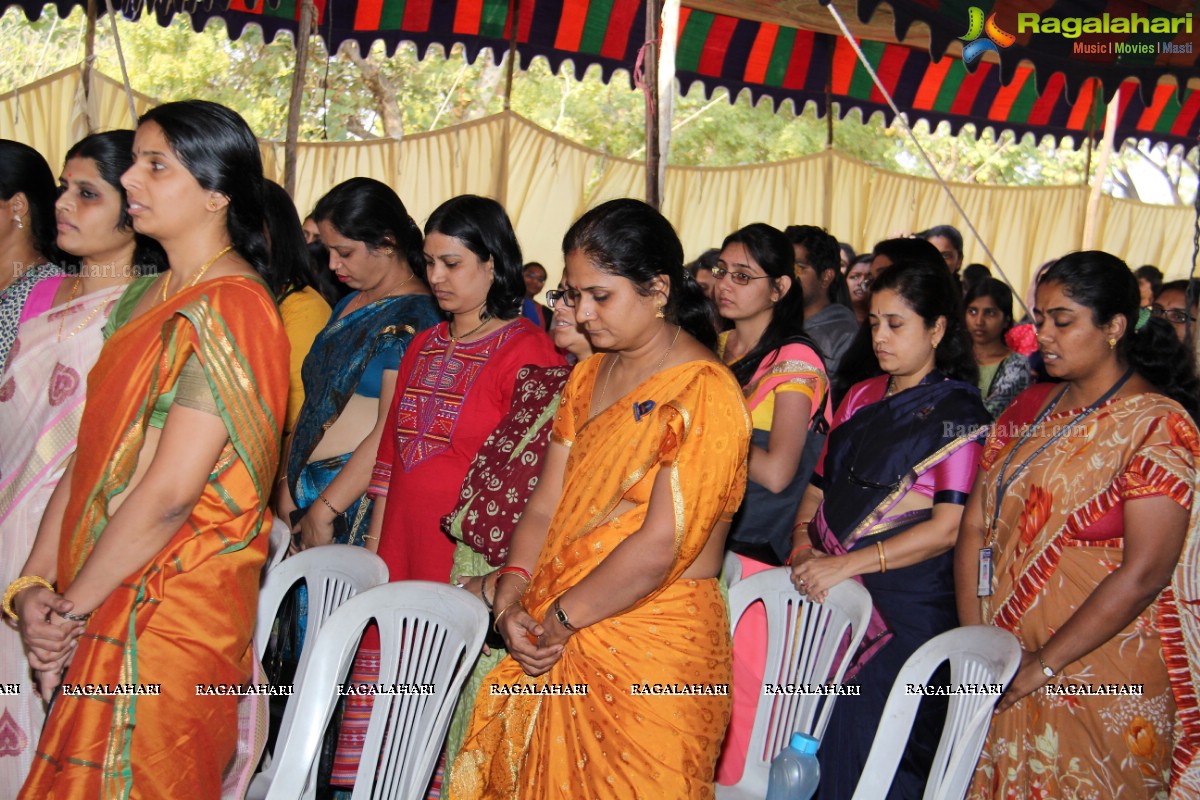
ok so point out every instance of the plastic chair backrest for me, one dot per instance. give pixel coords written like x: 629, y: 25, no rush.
x: 808, y: 644
x: 982, y: 655
x: 430, y: 635
x: 731, y: 569
x: 332, y: 574
x: 277, y: 544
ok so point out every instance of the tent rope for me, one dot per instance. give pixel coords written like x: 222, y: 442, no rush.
x: 112, y: 15
x: 903, y: 120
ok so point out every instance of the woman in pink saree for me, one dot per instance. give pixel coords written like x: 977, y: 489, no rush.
x: 42, y: 388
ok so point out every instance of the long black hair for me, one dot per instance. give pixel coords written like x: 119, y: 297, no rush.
x: 772, y: 250
x: 628, y: 238
x: 218, y: 148
x: 482, y: 225
x: 112, y: 153
x: 292, y: 266
x: 1104, y: 284
x: 368, y: 211
x: 23, y: 170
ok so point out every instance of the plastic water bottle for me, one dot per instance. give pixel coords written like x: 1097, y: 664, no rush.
x: 795, y: 772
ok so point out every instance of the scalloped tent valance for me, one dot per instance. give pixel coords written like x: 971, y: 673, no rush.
x: 1060, y: 94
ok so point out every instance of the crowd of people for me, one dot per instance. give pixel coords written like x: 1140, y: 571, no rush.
x: 583, y: 460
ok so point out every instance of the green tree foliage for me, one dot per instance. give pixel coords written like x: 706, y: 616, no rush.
x: 350, y: 96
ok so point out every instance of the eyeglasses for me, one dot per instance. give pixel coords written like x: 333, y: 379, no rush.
x: 1175, y: 315
x: 554, y: 295
x: 740, y: 278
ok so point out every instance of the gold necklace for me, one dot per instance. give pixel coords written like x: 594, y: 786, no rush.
x: 87, y: 319
x: 657, y: 366
x: 199, y: 273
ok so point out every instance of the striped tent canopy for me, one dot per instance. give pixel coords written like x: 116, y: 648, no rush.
x: 1065, y: 97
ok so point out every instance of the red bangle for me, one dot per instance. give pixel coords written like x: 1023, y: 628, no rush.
x: 519, y: 571
x: 797, y: 549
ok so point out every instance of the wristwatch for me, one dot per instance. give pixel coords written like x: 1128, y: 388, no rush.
x: 1049, y: 673
x: 562, y: 617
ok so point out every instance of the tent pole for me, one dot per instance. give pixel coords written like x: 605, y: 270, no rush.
x: 653, y: 18
x: 515, y: 9
x: 308, y: 16
x: 1106, y: 148
x: 1091, y: 134
x: 89, y: 56
x: 827, y: 210
x: 665, y: 98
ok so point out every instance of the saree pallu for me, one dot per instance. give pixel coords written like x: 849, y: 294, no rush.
x: 493, y: 498
x: 762, y: 528
x: 611, y: 742
x: 41, y: 402
x: 332, y: 371
x: 1060, y: 533
x: 932, y: 431
x: 12, y: 304
x: 187, y: 617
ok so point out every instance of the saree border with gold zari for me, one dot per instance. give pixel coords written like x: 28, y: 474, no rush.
x: 611, y: 742
x: 188, y: 616
x: 1047, y: 562
x: 41, y: 401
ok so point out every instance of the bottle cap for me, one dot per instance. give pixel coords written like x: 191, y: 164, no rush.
x: 804, y: 744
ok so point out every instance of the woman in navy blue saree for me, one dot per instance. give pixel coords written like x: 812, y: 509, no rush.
x: 884, y: 508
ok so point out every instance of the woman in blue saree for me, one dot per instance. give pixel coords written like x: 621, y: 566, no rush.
x: 884, y: 508
x: 350, y: 372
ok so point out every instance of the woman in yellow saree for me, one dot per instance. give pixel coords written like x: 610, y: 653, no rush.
x: 612, y: 569
x: 153, y: 534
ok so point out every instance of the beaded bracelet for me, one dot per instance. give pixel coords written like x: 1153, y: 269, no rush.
x: 328, y: 504
x: 16, y: 587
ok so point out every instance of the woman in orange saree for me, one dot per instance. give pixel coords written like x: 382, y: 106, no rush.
x: 1095, y: 558
x: 153, y: 535
x: 625, y: 692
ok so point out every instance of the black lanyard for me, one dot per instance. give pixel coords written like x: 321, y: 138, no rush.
x: 1002, y: 484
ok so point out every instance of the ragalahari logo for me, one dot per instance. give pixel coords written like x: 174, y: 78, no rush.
x: 996, y: 38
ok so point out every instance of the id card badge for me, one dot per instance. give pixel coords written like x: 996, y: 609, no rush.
x: 984, y: 589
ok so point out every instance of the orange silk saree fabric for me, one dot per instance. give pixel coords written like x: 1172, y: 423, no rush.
x: 612, y: 742
x: 188, y: 616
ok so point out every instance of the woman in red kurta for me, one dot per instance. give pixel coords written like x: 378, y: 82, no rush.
x: 454, y: 386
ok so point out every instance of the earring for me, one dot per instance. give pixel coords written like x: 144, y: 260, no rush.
x: 20, y: 224
x: 1112, y: 344
x: 658, y: 313
x: 211, y: 206
x: 935, y: 344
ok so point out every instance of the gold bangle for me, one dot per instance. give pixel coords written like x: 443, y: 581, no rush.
x: 882, y: 558
x: 503, y: 611
x: 367, y: 538
x: 16, y: 587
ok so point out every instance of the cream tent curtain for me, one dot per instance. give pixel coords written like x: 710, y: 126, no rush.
x: 546, y: 181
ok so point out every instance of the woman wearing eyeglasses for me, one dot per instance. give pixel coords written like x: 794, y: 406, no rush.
x: 784, y: 382
x: 1171, y: 304
x: 884, y: 505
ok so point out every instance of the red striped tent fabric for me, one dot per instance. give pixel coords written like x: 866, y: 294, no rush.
x: 769, y: 60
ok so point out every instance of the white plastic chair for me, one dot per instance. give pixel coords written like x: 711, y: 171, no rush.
x: 430, y: 635
x: 277, y: 544
x: 803, y: 643
x: 332, y: 574
x: 978, y: 654
x: 731, y: 569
